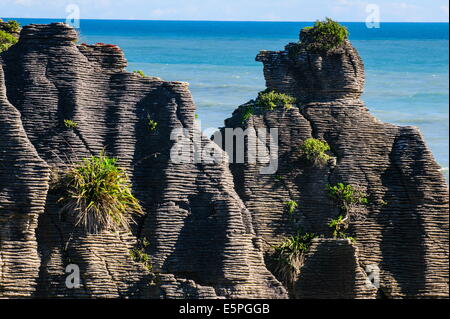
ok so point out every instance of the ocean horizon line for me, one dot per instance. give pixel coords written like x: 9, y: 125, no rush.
x: 201, y: 20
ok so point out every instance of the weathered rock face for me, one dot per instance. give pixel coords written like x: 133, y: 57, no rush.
x: 313, y: 76
x: 209, y: 229
x: 404, y: 229
x: 340, y: 274
x: 202, y: 239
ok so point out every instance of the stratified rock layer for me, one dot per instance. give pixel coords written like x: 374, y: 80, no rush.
x: 404, y: 229
x: 201, y: 234
x: 340, y: 275
x: 209, y: 229
x: 23, y: 187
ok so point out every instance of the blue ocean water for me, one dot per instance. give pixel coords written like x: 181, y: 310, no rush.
x: 406, y: 65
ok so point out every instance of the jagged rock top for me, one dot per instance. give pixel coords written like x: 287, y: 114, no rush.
x: 312, y: 76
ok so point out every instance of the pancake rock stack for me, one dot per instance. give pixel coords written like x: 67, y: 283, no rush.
x: 202, y: 239
x: 402, y: 233
x: 210, y: 224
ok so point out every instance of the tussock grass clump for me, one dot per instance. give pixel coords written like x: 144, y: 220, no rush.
x: 6, y: 40
x: 289, y: 256
x: 313, y: 151
x: 98, y: 194
x: 270, y: 100
x: 325, y: 35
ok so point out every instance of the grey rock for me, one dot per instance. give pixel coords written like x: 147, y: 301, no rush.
x: 407, y: 236
x: 201, y: 243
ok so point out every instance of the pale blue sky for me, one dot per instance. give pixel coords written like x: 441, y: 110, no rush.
x: 252, y: 10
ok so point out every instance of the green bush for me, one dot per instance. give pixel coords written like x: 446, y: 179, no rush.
x: 289, y: 256
x: 11, y: 26
x: 98, y: 194
x: 140, y: 72
x: 248, y: 112
x: 6, y: 40
x: 313, y: 150
x: 338, y: 226
x: 325, y: 35
x: 346, y: 196
x: 271, y: 100
x: 70, y: 124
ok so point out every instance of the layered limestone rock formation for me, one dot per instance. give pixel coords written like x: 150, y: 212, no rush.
x: 209, y: 228
x: 202, y: 239
x: 403, y: 231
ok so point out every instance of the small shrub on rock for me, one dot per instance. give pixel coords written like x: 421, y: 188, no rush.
x: 11, y: 26
x: 313, y: 150
x: 139, y: 72
x: 271, y: 100
x: 6, y: 40
x: 346, y: 196
x: 325, y: 36
x: 289, y: 256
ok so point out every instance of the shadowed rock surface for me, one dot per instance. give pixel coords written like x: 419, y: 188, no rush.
x: 202, y: 240
x: 404, y: 228
x: 209, y: 229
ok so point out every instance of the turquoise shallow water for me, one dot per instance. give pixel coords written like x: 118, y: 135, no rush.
x: 406, y: 65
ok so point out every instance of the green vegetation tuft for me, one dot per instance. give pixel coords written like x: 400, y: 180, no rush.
x: 346, y: 196
x: 140, y: 72
x: 338, y: 226
x: 270, y: 100
x: 152, y: 125
x: 289, y: 256
x: 98, y: 194
x: 248, y: 112
x: 70, y: 124
x: 11, y: 26
x: 139, y: 255
x: 6, y: 40
x: 291, y: 206
x: 313, y: 150
x: 325, y: 36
